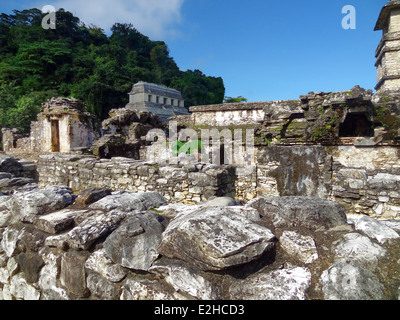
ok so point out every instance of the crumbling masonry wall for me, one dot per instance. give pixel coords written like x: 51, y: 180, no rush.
x: 190, y: 184
x: 362, y: 180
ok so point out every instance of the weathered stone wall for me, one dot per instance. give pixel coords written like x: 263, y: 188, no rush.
x: 121, y: 245
x: 362, y: 180
x: 367, y: 180
x: 185, y: 184
x: 228, y: 114
x: 297, y: 170
x: 14, y: 141
x: 354, y: 117
x: 287, y: 171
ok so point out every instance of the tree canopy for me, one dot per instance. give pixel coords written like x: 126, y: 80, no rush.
x: 234, y: 100
x: 75, y: 60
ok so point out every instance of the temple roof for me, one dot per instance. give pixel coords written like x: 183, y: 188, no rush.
x: 156, y: 89
x: 384, y: 15
x: 62, y: 105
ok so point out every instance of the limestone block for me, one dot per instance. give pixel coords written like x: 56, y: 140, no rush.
x: 99, y: 262
x: 345, y: 280
x: 220, y: 202
x: 139, y: 289
x: 101, y: 288
x: 58, y: 221
x: 134, y: 244
x: 6, y: 216
x: 173, y: 210
x: 9, y: 241
x: 4, y: 276
x: 184, y: 278
x: 48, y: 279
x: 128, y: 201
x: 301, y: 247
x: 200, y: 179
x: 290, y: 283
x: 359, y: 248
x: 91, y: 195
x: 12, y: 266
x: 384, y: 181
x: 20, y: 288
x: 30, y: 264
x: 375, y: 229
x: 72, y: 275
x: 29, y: 205
x: 215, y: 238
x: 313, y: 213
x: 92, y: 229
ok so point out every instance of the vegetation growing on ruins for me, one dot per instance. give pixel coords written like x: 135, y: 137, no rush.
x: 80, y: 61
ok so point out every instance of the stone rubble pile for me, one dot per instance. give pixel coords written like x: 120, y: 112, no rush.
x: 110, y: 245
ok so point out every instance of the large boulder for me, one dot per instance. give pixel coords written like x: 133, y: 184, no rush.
x: 134, y: 244
x: 28, y: 205
x: 91, y: 195
x: 346, y: 280
x: 310, y: 212
x: 144, y: 289
x: 215, y: 238
x: 220, y: 202
x: 100, y: 263
x: 128, y: 201
x: 298, y: 246
x: 359, y: 248
x: 10, y: 165
x: 186, y: 279
x: 84, y: 235
x: 375, y: 229
x: 290, y: 283
x: 174, y: 209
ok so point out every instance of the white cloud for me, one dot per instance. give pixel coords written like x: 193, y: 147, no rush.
x: 157, y: 19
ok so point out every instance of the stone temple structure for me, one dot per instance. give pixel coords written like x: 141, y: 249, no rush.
x: 61, y: 126
x: 160, y: 100
x: 388, y: 51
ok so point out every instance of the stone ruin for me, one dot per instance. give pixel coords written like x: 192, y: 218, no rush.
x: 61, y: 126
x: 156, y: 99
x: 102, y: 244
x: 89, y: 217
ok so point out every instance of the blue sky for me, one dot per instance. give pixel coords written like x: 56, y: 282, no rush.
x: 263, y: 49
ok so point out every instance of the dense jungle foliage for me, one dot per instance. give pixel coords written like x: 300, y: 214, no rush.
x: 75, y: 60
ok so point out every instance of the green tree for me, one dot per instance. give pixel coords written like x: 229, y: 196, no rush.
x: 234, y: 100
x: 83, y: 62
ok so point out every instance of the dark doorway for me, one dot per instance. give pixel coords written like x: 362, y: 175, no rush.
x: 55, y: 136
x: 356, y: 125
